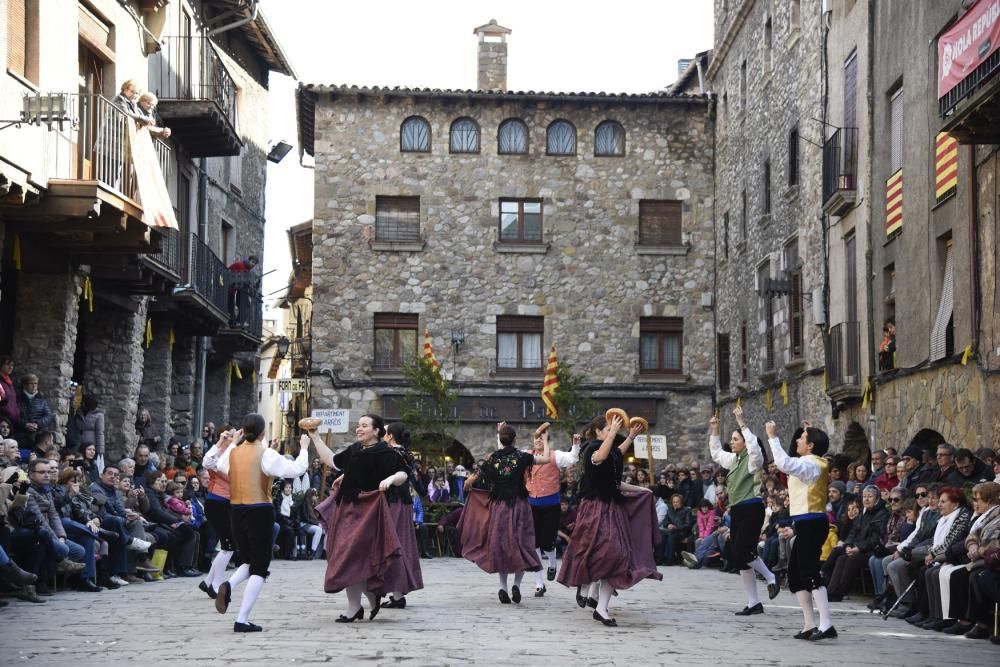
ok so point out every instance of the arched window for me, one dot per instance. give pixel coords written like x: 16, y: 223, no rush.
x: 464, y: 136
x: 560, y: 138
x: 512, y: 137
x: 415, y: 135
x: 609, y: 139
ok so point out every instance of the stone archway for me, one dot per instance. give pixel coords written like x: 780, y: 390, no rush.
x: 431, y: 451
x: 927, y: 439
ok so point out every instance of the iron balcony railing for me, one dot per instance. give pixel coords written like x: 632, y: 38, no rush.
x: 840, y: 162
x: 844, y: 355
x: 103, y: 152
x: 245, y: 303
x: 190, y: 69
x: 969, y: 84
x: 172, y: 253
x: 206, y: 275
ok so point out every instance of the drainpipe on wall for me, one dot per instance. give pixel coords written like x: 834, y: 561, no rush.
x: 201, y: 359
x: 869, y: 171
x: 240, y: 22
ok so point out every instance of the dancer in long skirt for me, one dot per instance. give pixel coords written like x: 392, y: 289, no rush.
x: 745, y: 465
x: 361, y: 542
x: 543, y: 497
x: 217, y: 513
x: 404, y: 574
x: 251, y: 466
x: 496, y: 527
x: 808, y: 483
x: 612, y: 544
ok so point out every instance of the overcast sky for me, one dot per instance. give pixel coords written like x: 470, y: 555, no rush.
x: 627, y: 46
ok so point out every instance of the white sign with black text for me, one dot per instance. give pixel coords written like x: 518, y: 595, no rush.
x: 334, y: 421
x: 659, y: 446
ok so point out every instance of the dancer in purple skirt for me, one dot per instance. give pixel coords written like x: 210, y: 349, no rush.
x: 612, y: 543
x: 404, y: 574
x: 497, y: 529
x: 361, y: 542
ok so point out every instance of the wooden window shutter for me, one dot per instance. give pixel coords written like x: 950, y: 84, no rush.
x: 96, y: 34
x: 661, y: 325
x: 16, y: 36
x: 723, y: 352
x: 896, y: 132
x: 396, y: 320
x: 520, y: 324
x: 945, y: 308
x: 851, y: 92
x: 659, y: 223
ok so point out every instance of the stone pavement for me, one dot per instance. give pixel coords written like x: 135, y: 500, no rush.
x: 685, y: 619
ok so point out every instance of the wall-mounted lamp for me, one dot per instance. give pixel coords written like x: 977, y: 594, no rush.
x: 279, y: 151
x: 283, y: 346
x: 457, y: 340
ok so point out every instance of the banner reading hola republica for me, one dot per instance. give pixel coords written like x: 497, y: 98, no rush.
x: 967, y: 44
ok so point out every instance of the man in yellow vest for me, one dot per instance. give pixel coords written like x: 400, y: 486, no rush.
x: 808, y: 482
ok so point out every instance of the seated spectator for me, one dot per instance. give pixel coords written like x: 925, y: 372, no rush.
x: 567, y: 522
x: 195, y: 454
x: 14, y: 495
x: 984, y: 454
x: 947, y: 474
x: 675, y: 529
x: 914, y: 547
x: 290, y: 533
x: 859, y: 478
x: 971, y: 469
x: 39, y: 532
x: 866, y: 534
x: 311, y: 525
x: 953, y: 605
x: 709, y: 547
x: 837, y: 505
x: 418, y: 524
x: 642, y: 478
x: 439, y: 492
x: 774, y: 553
x: 315, y: 474
x: 88, y: 462
x: 42, y: 442
x: 143, y: 466
x: 77, y: 508
x: 6, y: 428
x: 36, y: 415
x: 9, y: 411
x: 887, y: 480
x: 115, y: 515
x: 898, y: 526
x: 448, y: 527
x: 170, y: 530
x: 915, y: 471
x: 10, y: 453
x: 684, y: 485
x: 952, y: 527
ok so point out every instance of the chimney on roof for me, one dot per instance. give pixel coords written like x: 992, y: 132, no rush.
x: 492, y: 72
x: 682, y: 64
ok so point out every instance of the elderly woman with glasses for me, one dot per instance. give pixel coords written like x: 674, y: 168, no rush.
x: 865, y: 536
x: 170, y: 530
x: 897, y: 529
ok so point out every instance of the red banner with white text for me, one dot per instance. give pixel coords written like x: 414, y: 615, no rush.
x: 967, y: 44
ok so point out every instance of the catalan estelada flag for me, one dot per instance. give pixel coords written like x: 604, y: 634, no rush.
x: 550, y: 384
x: 894, y: 203
x: 946, y: 165
x: 429, y: 354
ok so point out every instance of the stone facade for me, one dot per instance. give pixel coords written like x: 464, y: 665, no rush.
x: 182, y: 396
x: 158, y: 373
x: 765, y: 78
x: 589, y: 279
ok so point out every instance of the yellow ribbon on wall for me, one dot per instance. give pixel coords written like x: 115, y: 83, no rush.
x: 88, y: 293
x: 149, y: 333
x: 171, y: 339
x: 967, y: 354
x: 767, y: 400
x: 867, y: 395
x: 236, y: 369
x: 16, y: 252
x: 784, y: 393
x: 824, y: 380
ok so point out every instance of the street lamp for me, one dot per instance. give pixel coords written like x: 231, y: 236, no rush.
x: 283, y: 345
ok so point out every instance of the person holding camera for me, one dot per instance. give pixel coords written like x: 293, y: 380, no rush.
x: 14, y: 495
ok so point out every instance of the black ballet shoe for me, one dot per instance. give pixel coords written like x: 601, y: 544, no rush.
x: 580, y: 600
x: 805, y: 634
x: 246, y: 627
x: 515, y: 594
x: 504, y: 598
x: 817, y: 635
x: 208, y: 590
x: 393, y: 603
x: 751, y: 611
x: 223, y: 597
x: 374, y: 612
x: 592, y: 603
x: 773, y: 589
x: 540, y: 592
x: 350, y: 619
x: 550, y: 574
x: 610, y: 622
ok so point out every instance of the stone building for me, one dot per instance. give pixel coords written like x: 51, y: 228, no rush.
x: 764, y: 74
x: 503, y: 223
x: 933, y: 241
x: 90, y: 293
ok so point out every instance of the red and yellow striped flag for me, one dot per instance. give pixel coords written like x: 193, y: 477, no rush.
x: 894, y: 203
x: 550, y: 384
x: 946, y: 165
x: 429, y: 355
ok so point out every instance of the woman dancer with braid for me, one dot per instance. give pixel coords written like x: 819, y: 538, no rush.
x: 807, y: 494
x: 497, y: 530
x: 251, y: 467
x: 743, y: 483
x: 611, y: 548
x: 404, y: 574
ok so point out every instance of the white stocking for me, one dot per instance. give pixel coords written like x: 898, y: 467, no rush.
x: 217, y: 573
x: 250, y: 593
x: 518, y: 576
x: 551, y: 555
x: 750, y: 587
x: 760, y: 568
x: 503, y: 580
x: 823, y: 605
x: 603, y: 598
x: 805, y: 601
x: 540, y: 575
x: 241, y: 574
x: 353, y: 599
x: 317, y: 534
x: 594, y: 588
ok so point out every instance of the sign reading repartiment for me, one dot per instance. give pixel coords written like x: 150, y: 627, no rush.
x: 334, y: 421
x: 659, y: 446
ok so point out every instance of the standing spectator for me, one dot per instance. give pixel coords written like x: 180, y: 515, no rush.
x: 36, y: 416
x: 146, y: 430
x: 439, y: 492
x: 887, y: 348
x: 8, y: 395
x: 89, y: 419
x: 315, y: 474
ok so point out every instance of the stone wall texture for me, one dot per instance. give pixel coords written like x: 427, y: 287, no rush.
x: 768, y: 83
x: 157, y: 376
x: 588, y: 278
